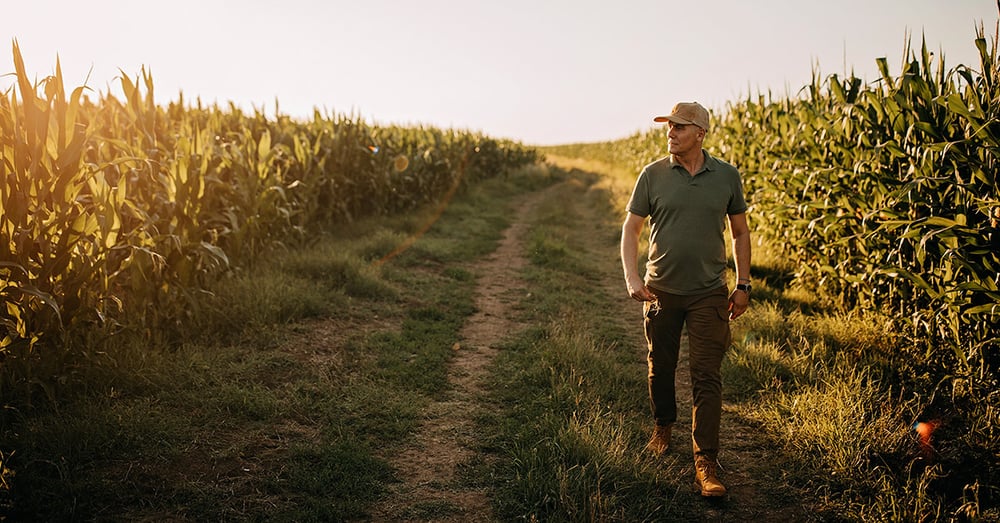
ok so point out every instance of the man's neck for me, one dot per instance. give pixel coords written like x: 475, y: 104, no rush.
x: 692, y: 161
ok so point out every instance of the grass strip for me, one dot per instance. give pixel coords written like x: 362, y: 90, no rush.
x: 286, y: 394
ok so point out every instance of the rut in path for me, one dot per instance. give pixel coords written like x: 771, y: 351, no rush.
x: 429, y: 467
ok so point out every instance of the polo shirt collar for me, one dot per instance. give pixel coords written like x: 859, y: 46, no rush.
x: 709, y: 164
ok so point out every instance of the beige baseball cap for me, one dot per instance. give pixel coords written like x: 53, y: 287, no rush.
x: 686, y: 113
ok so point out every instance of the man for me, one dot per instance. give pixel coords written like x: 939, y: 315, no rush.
x: 688, y: 196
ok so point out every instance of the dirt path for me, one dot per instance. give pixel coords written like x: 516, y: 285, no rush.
x: 432, y: 488
x: 430, y: 468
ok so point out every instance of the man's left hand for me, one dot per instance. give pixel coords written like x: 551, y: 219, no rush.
x: 738, y: 303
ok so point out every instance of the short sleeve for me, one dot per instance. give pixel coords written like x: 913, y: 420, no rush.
x: 638, y: 204
x: 738, y: 202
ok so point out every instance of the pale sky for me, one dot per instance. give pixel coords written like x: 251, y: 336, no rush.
x: 538, y: 71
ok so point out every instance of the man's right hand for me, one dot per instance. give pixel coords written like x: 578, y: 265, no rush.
x: 638, y: 291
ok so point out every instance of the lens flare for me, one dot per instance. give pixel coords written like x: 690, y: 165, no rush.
x: 401, y: 163
x: 925, y: 429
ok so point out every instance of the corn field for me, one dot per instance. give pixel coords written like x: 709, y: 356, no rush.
x: 114, y: 213
x: 884, y: 196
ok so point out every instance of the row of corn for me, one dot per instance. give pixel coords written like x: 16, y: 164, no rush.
x: 884, y: 196
x: 113, y: 212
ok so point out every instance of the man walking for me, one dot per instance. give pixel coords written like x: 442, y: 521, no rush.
x: 688, y: 196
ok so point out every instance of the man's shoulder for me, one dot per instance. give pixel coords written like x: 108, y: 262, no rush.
x: 720, y: 164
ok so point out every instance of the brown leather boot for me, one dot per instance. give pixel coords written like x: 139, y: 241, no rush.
x: 705, y: 478
x: 659, y: 444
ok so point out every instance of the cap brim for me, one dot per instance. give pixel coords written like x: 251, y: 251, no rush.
x: 663, y: 119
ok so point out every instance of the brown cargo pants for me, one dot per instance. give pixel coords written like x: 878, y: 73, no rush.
x: 707, y: 319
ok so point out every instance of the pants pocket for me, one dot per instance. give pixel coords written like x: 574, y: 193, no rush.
x: 723, y: 312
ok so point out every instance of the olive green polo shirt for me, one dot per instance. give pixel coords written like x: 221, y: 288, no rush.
x: 687, y: 217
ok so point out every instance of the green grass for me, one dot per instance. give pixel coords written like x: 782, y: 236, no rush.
x: 820, y: 385
x: 825, y: 386
x: 253, y: 413
x: 570, y: 404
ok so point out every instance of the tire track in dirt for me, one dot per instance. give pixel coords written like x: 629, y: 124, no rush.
x: 431, y: 487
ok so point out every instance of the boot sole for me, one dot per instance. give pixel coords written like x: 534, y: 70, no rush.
x: 706, y: 493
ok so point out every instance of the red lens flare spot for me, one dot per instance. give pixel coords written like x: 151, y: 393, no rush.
x: 925, y: 429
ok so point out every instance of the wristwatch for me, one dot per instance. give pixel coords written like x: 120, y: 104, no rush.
x: 745, y: 287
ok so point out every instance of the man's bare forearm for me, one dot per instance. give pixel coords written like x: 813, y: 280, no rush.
x: 631, y: 230
x: 741, y: 255
x: 630, y: 254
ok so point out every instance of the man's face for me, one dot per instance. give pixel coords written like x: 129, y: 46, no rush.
x: 683, y: 138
